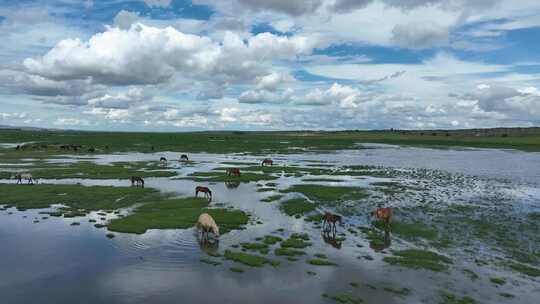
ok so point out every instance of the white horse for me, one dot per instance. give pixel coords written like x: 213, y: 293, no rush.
x: 207, y: 224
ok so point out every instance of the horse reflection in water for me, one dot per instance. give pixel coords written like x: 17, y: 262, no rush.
x: 208, y: 245
x: 380, y: 245
x: 232, y: 184
x: 329, y: 237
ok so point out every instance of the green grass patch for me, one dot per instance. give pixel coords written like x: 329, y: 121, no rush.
x: 272, y: 198
x: 410, y: 231
x: 497, y: 281
x: 210, y: 261
x: 328, y: 195
x: 288, y: 252
x: 448, y: 298
x: 297, y: 206
x: 271, y: 239
x: 260, y: 247
x: 525, y: 269
x: 344, y: 298
x: 400, y: 292
x: 216, y: 176
x: 74, y: 196
x: 176, y: 214
x: 295, y: 242
x: 419, y: 259
x: 321, y: 262
x: 248, y: 259
x: 236, y: 269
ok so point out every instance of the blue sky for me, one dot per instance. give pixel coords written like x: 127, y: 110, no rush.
x: 171, y: 65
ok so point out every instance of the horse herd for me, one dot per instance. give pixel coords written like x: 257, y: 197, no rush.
x: 207, y: 224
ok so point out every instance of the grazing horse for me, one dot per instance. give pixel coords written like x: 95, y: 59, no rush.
x: 163, y: 160
x: 233, y: 171
x: 26, y: 176
x: 331, y: 239
x: 184, y: 157
x: 232, y: 184
x: 267, y: 161
x: 205, y: 190
x: 206, y: 224
x: 137, y: 181
x: 329, y: 221
x: 384, y: 214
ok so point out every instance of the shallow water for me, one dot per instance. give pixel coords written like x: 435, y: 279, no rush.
x: 53, y: 262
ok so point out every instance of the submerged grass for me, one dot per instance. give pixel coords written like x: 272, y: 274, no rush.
x: 297, y: 206
x: 216, y: 176
x: 328, y: 195
x: 448, y: 298
x: 419, y: 259
x: 248, y: 259
x: 176, y: 214
x: 344, y: 298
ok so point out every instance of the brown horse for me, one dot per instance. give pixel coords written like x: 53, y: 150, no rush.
x: 137, y: 181
x: 184, y: 157
x: 267, y: 161
x: 205, y: 190
x: 329, y: 221
x: 233, y: 171
x: 384, y: 214
x: 331, y: 239
x: 163, y: 159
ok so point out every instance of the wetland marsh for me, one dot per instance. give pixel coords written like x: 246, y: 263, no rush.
x: 466, y: 225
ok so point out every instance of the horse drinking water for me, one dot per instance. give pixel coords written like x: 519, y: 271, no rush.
x: 206, y: 224
x: 205, y: 190
x: 267, y: 161
x: 137, y: 181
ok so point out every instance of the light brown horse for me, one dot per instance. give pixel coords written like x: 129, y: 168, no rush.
x: 205, y: 190
x: 206, y: 224
x: 384, y: 214
x: 233, y: 171
x: 137, y: 181
x: 267, y: 161
x: 330, y: 220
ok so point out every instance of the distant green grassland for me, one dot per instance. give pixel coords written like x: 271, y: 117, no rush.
x: 266, y: 142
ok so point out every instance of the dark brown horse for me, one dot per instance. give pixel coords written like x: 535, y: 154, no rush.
x: 384, y: 214
x: 330, y: 220
x: 137, y: 181
x: 184, y: 157
x: 331, y: 239
x: 267, y: 161
x: 233, y: 171
x: 205, y: 190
